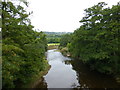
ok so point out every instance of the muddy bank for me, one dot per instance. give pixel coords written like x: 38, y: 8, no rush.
x: 64, y: 51
x: 53, y: 47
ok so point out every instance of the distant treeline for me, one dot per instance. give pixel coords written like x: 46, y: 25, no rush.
x: 23, y: 53
x: 54, y: 37
x: 57, y: 33
x: 96, y: 41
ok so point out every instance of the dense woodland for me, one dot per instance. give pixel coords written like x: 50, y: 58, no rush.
x: 23, y: 49
x: 96, y: 41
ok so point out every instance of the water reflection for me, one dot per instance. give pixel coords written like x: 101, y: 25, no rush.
x: 60, y: 75
x: 67, y: 73
x: 92, y: 79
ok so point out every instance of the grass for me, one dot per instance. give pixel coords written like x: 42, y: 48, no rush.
x: 52, y: 44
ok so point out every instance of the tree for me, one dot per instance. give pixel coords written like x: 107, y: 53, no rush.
x: 65, y: 40
x: 23, y: 53
x: 96, y: 41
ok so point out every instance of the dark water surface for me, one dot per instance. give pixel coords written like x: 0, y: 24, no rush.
x: 67, y: 73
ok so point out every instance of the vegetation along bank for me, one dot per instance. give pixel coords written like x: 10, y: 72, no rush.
x: 96, y: 41
x: 23, y: 49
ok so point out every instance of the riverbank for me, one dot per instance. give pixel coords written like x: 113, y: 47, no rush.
x: 65, y: 52
x: 38, y: 78
x: 73, y: 73
x: 53, y: 47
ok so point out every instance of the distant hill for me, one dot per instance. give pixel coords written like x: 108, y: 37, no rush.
x: 57, y: 33
x: 54, y: 37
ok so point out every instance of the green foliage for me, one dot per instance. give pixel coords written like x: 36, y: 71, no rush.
x: 23, y: 50
x: 65, y: 40
x: 96, y: 42
x: 12, y: 59
x: 53, y: 38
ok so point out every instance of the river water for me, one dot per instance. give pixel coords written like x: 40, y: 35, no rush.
x: 67, y: 73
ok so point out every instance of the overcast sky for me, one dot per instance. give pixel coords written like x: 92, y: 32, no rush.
x: 60, y: 15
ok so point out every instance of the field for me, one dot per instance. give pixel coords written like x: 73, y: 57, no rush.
x: 52, y: 44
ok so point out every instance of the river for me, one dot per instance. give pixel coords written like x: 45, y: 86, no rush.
x: 68, y: 73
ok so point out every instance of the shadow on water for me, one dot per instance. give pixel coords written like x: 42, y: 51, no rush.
x: 73, y: 74
x: 92, y: 79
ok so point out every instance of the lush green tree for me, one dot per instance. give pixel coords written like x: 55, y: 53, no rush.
x: 65, y: 39
x: 23, y: 49
x: 96, y: 41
